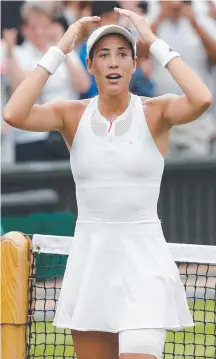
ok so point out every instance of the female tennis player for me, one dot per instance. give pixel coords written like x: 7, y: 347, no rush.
x: 121, y: 290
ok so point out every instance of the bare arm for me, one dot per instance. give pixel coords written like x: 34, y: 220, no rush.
x: 78, y: 74
x: 196, y: 99
x: 21, y: 112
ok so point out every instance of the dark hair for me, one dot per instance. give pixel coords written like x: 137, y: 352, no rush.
x: 143, y: 5
x: 93, y: 47
x: 100, y: 7
x: 62, y: 21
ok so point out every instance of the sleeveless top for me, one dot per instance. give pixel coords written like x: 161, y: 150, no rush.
x: 120, y: 273
x: 117, y: 168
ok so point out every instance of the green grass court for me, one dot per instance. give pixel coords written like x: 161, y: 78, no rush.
x: 200, y: 340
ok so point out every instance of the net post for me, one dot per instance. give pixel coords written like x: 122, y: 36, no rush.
x: 15, y: 267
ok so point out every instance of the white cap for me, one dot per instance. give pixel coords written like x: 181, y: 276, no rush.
x: 109, y: 29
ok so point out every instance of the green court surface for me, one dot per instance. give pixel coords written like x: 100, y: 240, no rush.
x: 199, y: 342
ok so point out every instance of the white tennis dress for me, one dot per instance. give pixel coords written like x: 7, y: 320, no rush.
x: 120, y: 273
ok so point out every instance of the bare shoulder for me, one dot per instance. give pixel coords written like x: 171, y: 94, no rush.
x: 74, y: 112
x: 154, y: 108
x: 158, y: 101
x: 75, y: 107
x: 153, y: 112
x: 71, y: 112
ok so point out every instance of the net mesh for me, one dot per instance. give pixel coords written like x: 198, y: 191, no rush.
x: 198, y: 277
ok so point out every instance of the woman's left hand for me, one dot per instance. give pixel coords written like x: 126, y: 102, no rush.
x: 147, y: 36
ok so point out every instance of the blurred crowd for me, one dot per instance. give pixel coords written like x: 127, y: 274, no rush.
x: 30, y: 27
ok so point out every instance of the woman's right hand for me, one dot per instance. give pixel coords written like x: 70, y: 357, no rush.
x: 67, y: 42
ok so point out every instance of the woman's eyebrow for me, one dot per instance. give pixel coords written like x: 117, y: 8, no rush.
x: 123, y: 48
x: 107, y: 49
x: 103, y: 49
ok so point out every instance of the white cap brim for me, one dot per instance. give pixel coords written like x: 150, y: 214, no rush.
x: 109, y: 29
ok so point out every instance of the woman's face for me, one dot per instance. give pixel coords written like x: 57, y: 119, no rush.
x: 112, y: 64
x: 37, y: 30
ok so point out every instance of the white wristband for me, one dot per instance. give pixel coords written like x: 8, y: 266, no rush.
x: 163, y: 52
x: 52, y: 59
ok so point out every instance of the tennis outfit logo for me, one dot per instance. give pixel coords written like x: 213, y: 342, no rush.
x: 170, y: 49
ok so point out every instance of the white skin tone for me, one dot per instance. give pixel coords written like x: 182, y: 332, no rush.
x: 161, y: 113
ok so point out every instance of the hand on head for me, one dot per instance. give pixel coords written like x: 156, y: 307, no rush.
x: 140, y: 24
x: 67, y: 42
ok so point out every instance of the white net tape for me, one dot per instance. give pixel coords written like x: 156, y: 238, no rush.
x: 181, y: 252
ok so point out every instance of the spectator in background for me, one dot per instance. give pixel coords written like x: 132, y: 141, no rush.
x: 39, y: 32
x: 104, y: 9
x: 73, y: 10
x: 177, y: 24
x: 134, y: 6
x: 141, y: 83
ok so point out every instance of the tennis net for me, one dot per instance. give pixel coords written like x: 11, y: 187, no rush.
x: 197, y: 266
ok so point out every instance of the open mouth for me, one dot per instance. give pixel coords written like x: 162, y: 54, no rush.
x: 113, y: 77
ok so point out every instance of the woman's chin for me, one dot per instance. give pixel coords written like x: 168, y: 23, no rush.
x: 113, y: 90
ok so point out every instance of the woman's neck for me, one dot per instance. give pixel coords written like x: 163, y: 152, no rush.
x: 113, y: 106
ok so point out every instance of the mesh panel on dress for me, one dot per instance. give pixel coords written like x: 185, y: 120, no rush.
x: 99, y: 128
x: 123, y: 125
